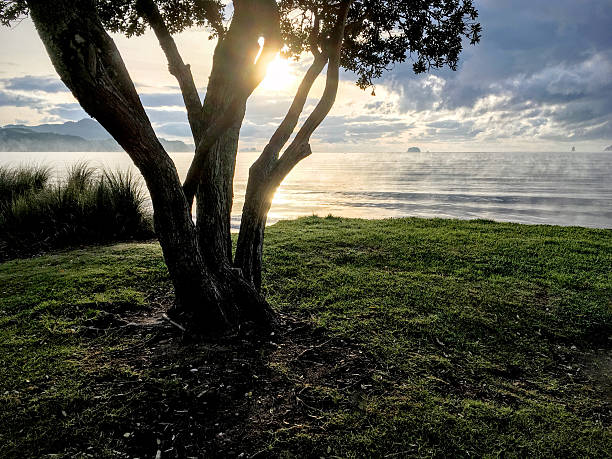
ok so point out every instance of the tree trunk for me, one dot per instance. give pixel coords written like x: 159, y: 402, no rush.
x: 257, y: 202
x: 265, y: 176
x: 267, y: 173
x: 214, y: 196
x: 229, y: 84
x: 213, y: 300
x: 214, y: 199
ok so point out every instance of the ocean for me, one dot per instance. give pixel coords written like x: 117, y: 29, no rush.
x: 533, y: 188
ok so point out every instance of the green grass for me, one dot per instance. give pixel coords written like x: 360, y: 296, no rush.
x: 87, y: 207
x: 490, y: 324
x: 489, y: 339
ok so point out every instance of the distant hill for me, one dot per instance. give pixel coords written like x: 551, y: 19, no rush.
x: 83, y: 135
x: 86, y: 128
x: 22, y: 139
x: 608, y: 148
x: 414, y: 150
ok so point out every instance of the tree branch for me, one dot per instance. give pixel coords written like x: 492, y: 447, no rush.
x: 299, y: 148
x: 266, y: 174
x: 314, y: 35
x: 176, y: 67
x: 267, y: 24
x: 89, y: 63
x: 287, y: 126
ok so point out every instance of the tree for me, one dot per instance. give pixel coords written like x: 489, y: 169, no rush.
x: 214, y: 291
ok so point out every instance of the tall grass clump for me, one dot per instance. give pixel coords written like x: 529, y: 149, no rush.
x: 15, y: 182
x: 86, y: 207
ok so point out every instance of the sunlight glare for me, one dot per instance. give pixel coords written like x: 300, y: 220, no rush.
x: 279, y: 75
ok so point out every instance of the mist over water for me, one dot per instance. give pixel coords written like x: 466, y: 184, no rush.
x: 534, y: 188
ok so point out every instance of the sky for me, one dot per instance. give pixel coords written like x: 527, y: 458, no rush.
x: 540, y: 80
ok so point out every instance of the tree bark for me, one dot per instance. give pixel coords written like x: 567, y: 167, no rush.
x: 176, y: 66
x: 239, y: 65
x: 260, y: 191
x: 214, y: 193
x: 212, y: 293
x: 257, y: 203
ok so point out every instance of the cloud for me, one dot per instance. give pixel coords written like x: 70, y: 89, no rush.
x: 158, y: 116
x: 542, y: 71
x: 8, y: 99
x: 540, y: 74
x: 174, y: 130
x: 171, y: 99
x: 66, y: 112
x: 357, y: 129
x: 35, y: 83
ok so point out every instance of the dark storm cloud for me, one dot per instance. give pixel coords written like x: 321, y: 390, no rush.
x: 555, y: 55
x: 35, y: 83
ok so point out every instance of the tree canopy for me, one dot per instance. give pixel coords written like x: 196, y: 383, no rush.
x: 378, y: 33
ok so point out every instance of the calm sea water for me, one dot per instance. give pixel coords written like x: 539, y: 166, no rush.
x: 536, y: 188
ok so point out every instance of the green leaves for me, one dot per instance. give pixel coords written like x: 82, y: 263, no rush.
x: 381, y: 33
x: 12, y: 11
x: 125, y: 16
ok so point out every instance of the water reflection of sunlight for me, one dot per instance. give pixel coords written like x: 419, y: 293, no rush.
x: 544, y: 188
x: 280, y: 197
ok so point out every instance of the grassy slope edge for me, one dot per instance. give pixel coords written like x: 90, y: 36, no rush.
x: 481, y: 339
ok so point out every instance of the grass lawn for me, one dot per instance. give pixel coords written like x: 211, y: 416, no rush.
x: 399, y: 338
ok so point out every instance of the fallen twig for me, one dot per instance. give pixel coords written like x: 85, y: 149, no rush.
x: 177, y: 325
x: 313, y: 348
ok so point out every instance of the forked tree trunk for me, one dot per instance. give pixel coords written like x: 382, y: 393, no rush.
x: 239, y: 63
x: 267, y: 173
x: 261, y: 186
x: 215, y: 300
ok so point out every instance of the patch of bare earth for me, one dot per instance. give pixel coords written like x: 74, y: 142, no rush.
x: 229, y: 397
x: 599, y: 368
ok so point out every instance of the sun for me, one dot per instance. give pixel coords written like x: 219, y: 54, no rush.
x: 279, y: 75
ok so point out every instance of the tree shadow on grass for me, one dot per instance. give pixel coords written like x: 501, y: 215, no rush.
x: 230, y: 397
